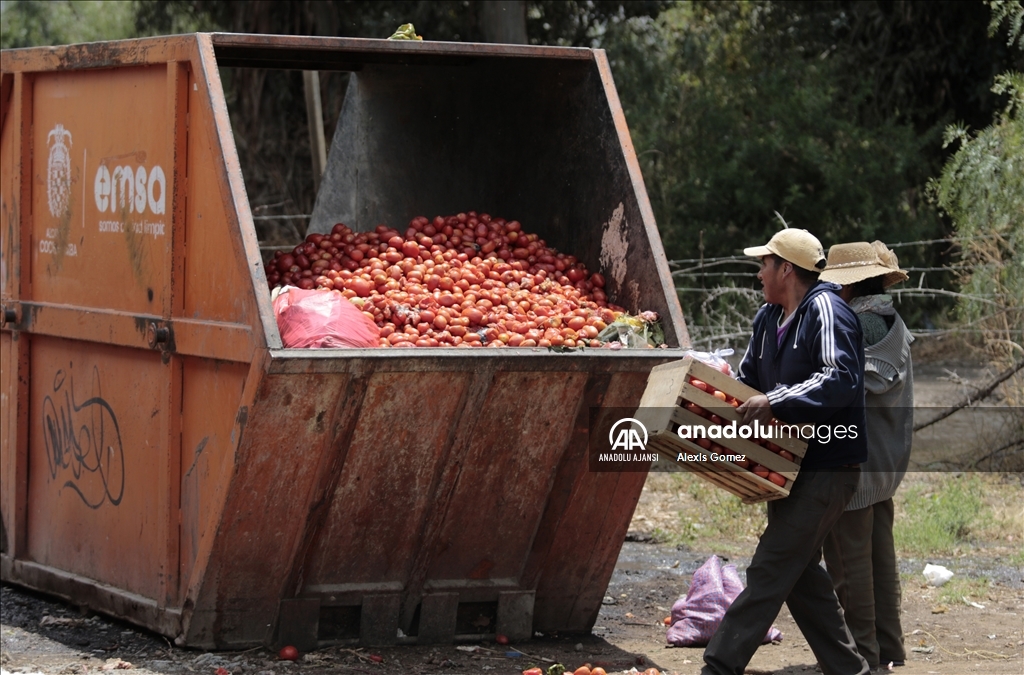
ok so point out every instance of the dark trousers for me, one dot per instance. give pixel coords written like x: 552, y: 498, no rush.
x: 785, y: 568
x: 861, y: 560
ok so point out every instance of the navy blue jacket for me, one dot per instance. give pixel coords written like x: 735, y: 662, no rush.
x: 815, y: 376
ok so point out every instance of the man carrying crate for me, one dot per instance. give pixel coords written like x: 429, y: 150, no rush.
x: 806, y: 353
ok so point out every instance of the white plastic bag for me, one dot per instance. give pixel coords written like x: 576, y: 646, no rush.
x: 936, y: 575
x: 715, y: 359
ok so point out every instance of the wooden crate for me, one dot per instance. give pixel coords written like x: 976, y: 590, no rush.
x: 661, y: 412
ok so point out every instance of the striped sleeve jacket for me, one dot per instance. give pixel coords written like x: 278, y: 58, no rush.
x: 815, y: 375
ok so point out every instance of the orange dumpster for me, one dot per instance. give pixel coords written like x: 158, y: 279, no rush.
x: 166, y: 461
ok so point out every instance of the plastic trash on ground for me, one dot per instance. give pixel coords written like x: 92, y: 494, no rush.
x: 696, y: 617
x: 937, y: 575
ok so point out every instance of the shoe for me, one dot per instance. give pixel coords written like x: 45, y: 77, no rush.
x: 884, y: 663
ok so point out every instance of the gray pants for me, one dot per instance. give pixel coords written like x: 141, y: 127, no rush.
x: 861, y: 560
x: 785, y: 568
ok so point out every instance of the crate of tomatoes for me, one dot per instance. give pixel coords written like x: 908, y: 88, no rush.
x: 689, y: 411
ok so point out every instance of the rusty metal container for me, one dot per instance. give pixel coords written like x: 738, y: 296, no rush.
x: 164, y: 460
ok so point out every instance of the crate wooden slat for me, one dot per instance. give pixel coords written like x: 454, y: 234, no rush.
x: 661, y: 411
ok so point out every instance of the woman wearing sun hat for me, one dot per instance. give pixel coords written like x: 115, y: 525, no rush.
x: 859, y: 551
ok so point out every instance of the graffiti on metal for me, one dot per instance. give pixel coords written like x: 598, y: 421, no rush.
x: 83, y: 441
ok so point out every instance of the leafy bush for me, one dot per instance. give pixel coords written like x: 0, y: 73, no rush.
x: 982, y: 190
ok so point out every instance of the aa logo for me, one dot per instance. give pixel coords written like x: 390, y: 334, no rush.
x: 625, y: 435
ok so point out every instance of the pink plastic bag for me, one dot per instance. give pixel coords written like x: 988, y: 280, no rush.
x: 696, y: 617
x: 322, y: 319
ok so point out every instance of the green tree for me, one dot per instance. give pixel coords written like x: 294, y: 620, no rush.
x: 31, y: 23
x: 830, y: 113
x: 982, y: 189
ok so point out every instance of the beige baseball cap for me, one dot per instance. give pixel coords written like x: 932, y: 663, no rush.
x: 799, y: 247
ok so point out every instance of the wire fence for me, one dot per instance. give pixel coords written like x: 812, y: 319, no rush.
x: 720, y: 296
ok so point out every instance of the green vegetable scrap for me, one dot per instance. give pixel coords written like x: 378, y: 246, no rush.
x: 641, y: 331
x: 556, y: 669
x: 406, y: 32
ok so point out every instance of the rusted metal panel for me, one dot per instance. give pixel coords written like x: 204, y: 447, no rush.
x: 209, y: 339
x: 100, y: 199
x: 227, y: 176
x: 587, y: 536
x: 113, y: 54
x: 499, y: 496
x: 387, y: 482
x: 657, y: 251
x: 342, y: 53
x: 259, y: 530
x: 92, y: 479
x: 87, y: 593
x: 211, y: 398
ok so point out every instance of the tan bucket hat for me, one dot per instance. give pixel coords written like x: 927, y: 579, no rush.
x: 859, y: 260
x: 799, y: 247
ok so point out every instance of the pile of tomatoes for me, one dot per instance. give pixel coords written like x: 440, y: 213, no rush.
x: 467, y: 280
x: 707, y: 444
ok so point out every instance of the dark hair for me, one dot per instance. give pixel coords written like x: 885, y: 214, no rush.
x: 871, y: 286
x: 806, y: 277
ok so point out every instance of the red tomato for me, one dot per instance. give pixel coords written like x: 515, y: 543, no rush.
x: 699, y: 384
x: 761, y: 471
x: 598, y: 671
x: 288, y: 653
x: 501, y: 639
x: 787, y: 455
x: 533, y: 671
x: 704, y: 443
x: 720, y: 395
x: 777, y: 478
x: 477, y: 275
x: 582, y: 670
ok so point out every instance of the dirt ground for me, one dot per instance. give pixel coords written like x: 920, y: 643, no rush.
x: 39, y: 635
x: 982, y: 633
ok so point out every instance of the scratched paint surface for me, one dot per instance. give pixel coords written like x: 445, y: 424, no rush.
x: 101, y: 177
x: 210, y: 398
x: 590, y: 532
x: 215, y: 273
x: 521, y: 429
x: 275, y: 471
x: 387, y: 484
x: 8, y: 433
x: 9, y: 226
x: 94, y: 456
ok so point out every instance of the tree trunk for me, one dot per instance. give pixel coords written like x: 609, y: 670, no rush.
x: 503, y: 21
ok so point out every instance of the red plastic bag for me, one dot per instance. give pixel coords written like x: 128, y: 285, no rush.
x: 322, y: 319
x: 696, y: 617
